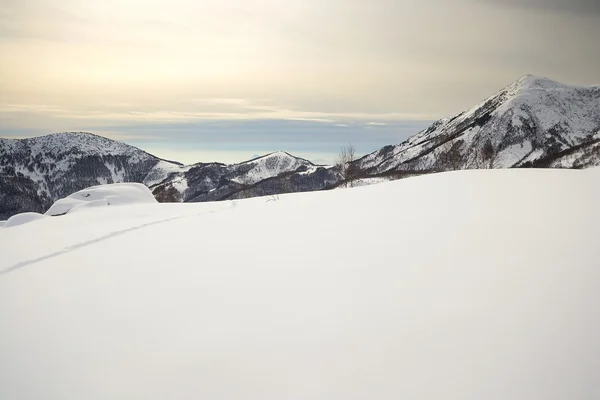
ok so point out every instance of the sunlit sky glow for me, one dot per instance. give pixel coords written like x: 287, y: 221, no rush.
x: 224, y: 80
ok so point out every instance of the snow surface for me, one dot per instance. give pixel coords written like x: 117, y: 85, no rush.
x: 103, y: 195
x: 269, y: 166
x: 465, y: 285
x: 21, y: 219
x: 366, y: 182
x: 162, y: 170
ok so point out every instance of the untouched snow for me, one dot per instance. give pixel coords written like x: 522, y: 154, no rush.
x: 466, y: 285
x: 21, y: 219
x: 103, y: 195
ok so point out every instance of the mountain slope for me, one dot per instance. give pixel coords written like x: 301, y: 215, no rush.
x: 458, y: 292
x: 274, y: 173
x: 35, y: 172
x: 532, y: 122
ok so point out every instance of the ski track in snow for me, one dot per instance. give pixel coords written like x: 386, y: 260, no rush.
x: 106, y: 237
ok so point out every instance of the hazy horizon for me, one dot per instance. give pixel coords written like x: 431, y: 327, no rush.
x: 226, y: 80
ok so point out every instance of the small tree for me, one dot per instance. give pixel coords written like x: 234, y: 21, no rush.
x: 344, y: 163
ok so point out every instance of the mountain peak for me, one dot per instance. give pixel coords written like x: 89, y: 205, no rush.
x: 280, y: 154
x: 533, y: 121
x: 530, y: 81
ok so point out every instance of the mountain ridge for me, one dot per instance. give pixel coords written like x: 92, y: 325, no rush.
x: 531, y: 119
x: 35, y: 172
x: 532, y: 122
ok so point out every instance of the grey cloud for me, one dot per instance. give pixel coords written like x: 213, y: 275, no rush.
x: 573, y: 6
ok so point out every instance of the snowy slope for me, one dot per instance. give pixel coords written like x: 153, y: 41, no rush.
x: 269, y: 166
x: 36, y: 172
x: 463, y: 285
x: 532, y: 122
x: 162, y: 171
x: 277, y: 172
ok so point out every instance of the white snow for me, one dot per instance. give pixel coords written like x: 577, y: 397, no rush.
x: 465, y: 285
x: 180, y: 184
x: 269, y: 166
x: 310, y: 170
x: 20, y: 219
x: 162, y: 170
x: 513, y: 154
x: 103, y: 195
x: 367, y: 182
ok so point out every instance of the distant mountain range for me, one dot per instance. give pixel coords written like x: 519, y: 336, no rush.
x: 36, y: 172
x: 534, y: 122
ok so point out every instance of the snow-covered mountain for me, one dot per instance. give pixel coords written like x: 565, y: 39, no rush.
x: 490, y: 293
x: 274, y: 173
x: 35, y: 172
x: 533, y: 122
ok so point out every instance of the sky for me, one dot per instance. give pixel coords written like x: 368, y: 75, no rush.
x: 224, y: 80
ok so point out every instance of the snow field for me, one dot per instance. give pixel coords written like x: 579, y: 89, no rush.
x: 462, y: 285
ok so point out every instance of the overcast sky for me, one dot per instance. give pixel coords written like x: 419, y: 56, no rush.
x: 200, y: 80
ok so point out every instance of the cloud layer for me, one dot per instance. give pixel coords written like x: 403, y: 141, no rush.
x: 129, y: 63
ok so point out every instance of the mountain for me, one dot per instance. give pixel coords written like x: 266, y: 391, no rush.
x: 36, y: 172
x: 274, y: 173
x: 534, y: 122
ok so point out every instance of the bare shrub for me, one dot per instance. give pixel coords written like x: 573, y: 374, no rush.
x: 345, y: 164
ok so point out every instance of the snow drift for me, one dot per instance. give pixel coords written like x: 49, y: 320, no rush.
x: 103, y: 195
x: 21, y: 219
x: 465, y: 285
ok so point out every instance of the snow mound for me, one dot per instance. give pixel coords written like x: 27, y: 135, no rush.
x: 103, y: 195
x: 21, y: 219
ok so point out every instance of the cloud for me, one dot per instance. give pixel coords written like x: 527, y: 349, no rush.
x: 83, y: 64
x: 57, y: 118
x: 574, y: 6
